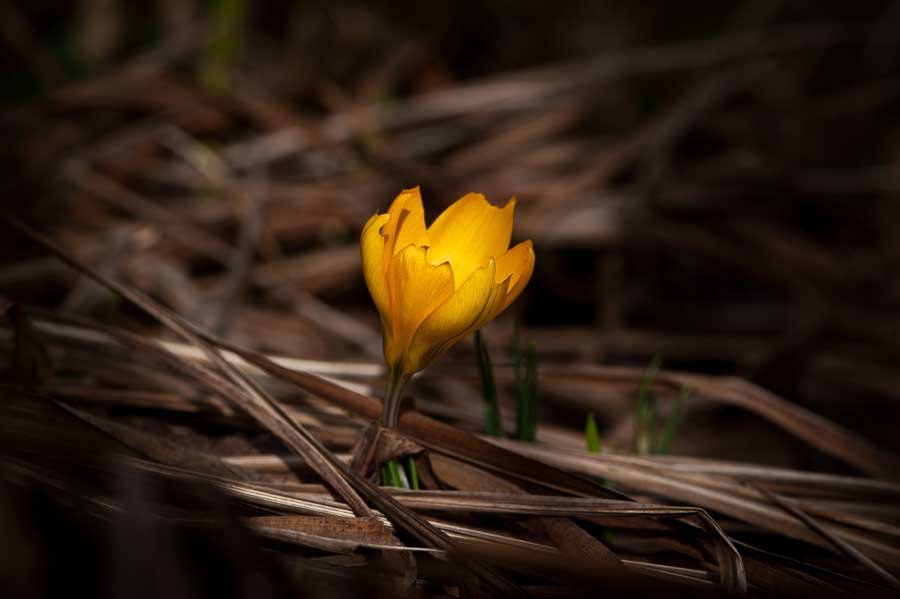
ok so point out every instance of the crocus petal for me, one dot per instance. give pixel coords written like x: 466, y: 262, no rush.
x: 434, y: 286
x: 371, y: 246
x: 517, y: 264
x: 473, y: 304
x: 469, y: 233
x: 407, y: 224
x: 417, y: 288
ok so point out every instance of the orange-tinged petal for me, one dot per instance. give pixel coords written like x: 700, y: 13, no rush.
x: 407, y: 224
x: 418, y: 288
x: 434, y: 286
x: 372, y: 250
x: 470, y: 232
x: 473, y: 304
x: 517, y: 264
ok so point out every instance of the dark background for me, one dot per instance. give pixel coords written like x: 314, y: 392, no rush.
x: 713, y: 183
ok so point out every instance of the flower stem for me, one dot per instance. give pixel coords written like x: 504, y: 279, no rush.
x: 391, y: 472
x: 390, y: 415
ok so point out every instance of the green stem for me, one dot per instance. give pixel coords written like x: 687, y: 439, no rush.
x: 396, y: 381
x: 390, y: 418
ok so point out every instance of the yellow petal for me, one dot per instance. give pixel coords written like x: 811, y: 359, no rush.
x: 371, y: 246
x: 473, y: 304
x: 517, y: 264
x: 417, y: 288
x: 470, y: 232
x: 407, y: 224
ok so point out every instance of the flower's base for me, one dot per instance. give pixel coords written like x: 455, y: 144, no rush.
x: 380, y: 446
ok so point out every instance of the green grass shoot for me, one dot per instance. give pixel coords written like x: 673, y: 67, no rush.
x: 396, y: 475
x: 493, y: 422
x: 413, y: 473
x: 526, y: 389
x: 651, y: 437
x: 645, y: 410
x: 228, y: 30
x: 672, y: 422
x: 393, y: 474
x: 591, y: 434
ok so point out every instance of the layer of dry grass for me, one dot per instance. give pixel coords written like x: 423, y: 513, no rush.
x: 190, y: 359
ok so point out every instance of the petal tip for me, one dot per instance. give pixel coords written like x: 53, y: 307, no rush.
x: 486, y: 203
x: 376, y: 219
x: 381, y: 224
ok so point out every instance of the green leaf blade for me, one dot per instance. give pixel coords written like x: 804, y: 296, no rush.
x: 591, y: 434
x: 493, y: 421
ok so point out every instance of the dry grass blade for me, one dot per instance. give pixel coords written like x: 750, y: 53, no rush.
x: 819, y: 432
x: 67, y: 327
x: 239, y: 389
x: 275, y: 419
x: 528, y: 89
x: 159, y: 449
x: 736, y: 506
x: 216, y: 383
x: 778, y: 566
x: 432, y: 433
x: 473, y: 542
x: 328, y: 533
x: 839, y: 543
x: 109, y: 190
x: 247, y: 394
x: 795, y: 482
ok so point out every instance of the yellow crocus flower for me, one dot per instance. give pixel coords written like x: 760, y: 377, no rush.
x: 433, y: 286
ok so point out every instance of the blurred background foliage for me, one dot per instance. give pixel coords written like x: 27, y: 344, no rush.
x: 713, y: 183
x: 729, y: 171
